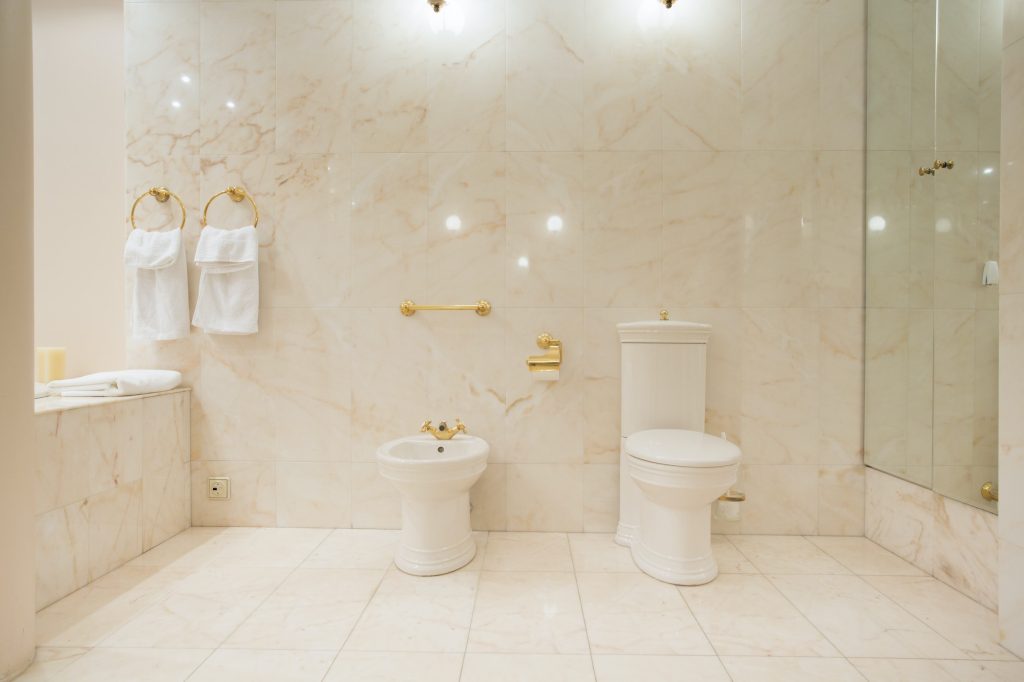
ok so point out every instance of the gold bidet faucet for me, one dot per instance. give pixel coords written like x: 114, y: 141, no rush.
x: 443, y: 431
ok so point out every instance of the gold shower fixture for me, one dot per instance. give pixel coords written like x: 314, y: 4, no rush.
x: 436, y: 4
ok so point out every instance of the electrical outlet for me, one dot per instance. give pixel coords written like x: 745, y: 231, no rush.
x: 218, y: 488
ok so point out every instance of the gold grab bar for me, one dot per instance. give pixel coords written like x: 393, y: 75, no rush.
x: 481, y: 307
x: 161, y: 194
x: 236, y: 194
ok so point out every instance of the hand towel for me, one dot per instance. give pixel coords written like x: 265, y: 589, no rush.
x: 114, y: 384
x: 41, y: 390
x: 160, y: 303
x: 229, y: 285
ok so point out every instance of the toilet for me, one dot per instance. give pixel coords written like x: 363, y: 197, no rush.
x: 670, y: 471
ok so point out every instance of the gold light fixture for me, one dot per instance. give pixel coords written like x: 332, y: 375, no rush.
x: 436, y: 4
x: 668, y: 3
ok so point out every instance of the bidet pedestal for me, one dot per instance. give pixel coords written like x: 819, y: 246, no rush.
x: 436, y: 535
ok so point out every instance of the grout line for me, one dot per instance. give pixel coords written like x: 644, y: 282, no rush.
x: 579, y: 598
x: 472, y: 612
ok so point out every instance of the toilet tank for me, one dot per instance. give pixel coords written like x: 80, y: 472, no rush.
x: 664, y: 372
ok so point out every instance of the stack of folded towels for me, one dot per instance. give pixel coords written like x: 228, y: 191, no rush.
x: 115, y: 384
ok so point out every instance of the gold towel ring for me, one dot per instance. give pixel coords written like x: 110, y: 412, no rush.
x: 236, y: 194
x: 161, y: 194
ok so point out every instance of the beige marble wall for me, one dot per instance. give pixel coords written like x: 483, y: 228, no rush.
x: 955, y: 542
x: 1011, y: 335
x: 578, y: 163
x: 111, y: 481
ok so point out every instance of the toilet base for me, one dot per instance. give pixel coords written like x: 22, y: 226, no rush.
x: 673, y: 569
x: 625, y: 534
x: 436, y: 535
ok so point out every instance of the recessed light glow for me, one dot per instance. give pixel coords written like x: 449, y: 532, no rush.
x: 229, y: 104
x: 876, y: 223
x: 988, y: 171
x: 555, y: 223
x: 176, y: 104
x: 523, y: 262
x: 453, y: 223
x: 185, y: 78
x: 943, y: 225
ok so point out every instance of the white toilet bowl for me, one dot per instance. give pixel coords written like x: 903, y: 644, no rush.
x: 680, y: 474
x: 434, y: 477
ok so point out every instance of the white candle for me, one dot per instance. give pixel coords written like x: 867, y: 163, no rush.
x: 50, y: 364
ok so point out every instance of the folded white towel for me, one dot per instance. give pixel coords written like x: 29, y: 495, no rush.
x: 113, y: 384
x: 229, y: 284
x: 160, y: 303
x: 41, y: 390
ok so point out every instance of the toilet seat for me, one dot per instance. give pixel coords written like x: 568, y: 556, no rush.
x: 681, y: 448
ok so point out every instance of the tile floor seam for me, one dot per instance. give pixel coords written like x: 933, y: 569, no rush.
x: 355, y: 624
x: 258, y: 606
x: 472, y: 611
x: 814, y: 625
x: 967, y: 656
x: 579, y: 597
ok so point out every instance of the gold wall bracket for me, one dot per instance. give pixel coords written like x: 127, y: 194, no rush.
x: 733, y: 496
x: 481, y: 307
x: 551, y: 360
x: 990, y: 492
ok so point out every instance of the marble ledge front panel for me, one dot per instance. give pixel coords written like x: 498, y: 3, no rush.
x: 111, y: 482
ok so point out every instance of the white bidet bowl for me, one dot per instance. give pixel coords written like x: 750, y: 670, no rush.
x: 434, y: 477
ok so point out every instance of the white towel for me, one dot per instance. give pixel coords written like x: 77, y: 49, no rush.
x: 229, y: 283
x: 114, y: 384
x: 160, y: 304
x: 41, y: 390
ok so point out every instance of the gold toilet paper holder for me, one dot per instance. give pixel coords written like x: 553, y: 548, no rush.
x: 552, y: 358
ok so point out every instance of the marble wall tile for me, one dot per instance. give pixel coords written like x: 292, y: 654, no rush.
x: 238, y: 77
x: 1011, y: 595
x: 700, y: 89
x: 115, y: 528
x: 952, y: 541
x: 545, y: 227
x: 780, y: 73
x: 62, y: 552
x: 780, y: 499
x: 841, y: 500
x: 622, y: 76
x: 600, y: 498
x: 841, y: 386
x: 375, y: 502
x: 314, y: 73
x: 622, y: 228
x: 162, y: 79
x: 842, y: 34
x: 253, y: 499
x: 314, y: 494
x: 703, y: 233
x: 839, y: 228
x: 467, y: 81
x: 166, y: 507
x: 545, y: 75
x: 957, y: 76
x: 545, y: 497
x: 487, y: 499
x: 889, y: 69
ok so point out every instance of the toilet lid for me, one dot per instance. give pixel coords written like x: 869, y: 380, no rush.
x: 676, y: 447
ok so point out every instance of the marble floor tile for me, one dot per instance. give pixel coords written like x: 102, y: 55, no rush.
x: 785, y: 555
x: 864, y: 557
x: 50, y: 662
x: 201, y: 610
x: 264, y: 666
x: 860, y: 621
x: 757, y: 669
x: 909, y: 670
x: 528, y: 552
x: 345, y: 548
x: 528, y: 612
x: 193, y: 547
x: 273, y: 547
x: 314, y: 609
x: 745, y: 615
x: 409, y: 613
x: 517, y: 667
x: 390, y: 666
x: 128, y: 665
x: 661, y: 668
x: 90, y: 615
x: 729, y: 558
x: 630, y: 613
x: 598, y: 553
x: 961, y: 620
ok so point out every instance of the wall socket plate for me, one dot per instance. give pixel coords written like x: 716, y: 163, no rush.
x: 218, y: 488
